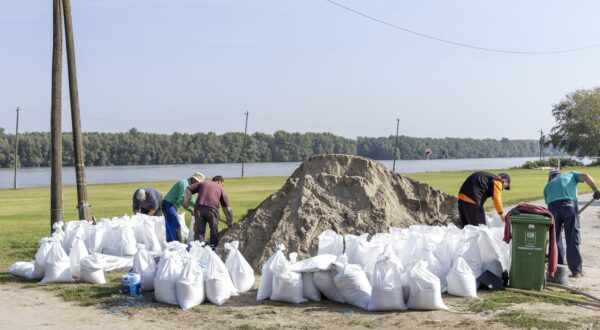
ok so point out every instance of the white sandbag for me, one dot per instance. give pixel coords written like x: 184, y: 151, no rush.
x: 147, y: 235
x: 469, y: 251
x: 190, y: 237
x: 190, y: 287
x: 217, y: 282
x: 73, y: 230
x: 287, y: 285
x: 167, y: 274
x: 314, y: 264
x: 425, y: 292
x: 197, y: 252
x: 129, y: 242
x: 58, y: 266
x: 22, y: 269
x: 92, y: 269
x: 435, y: 266
x: 78, y: 252
x: 95, y: 237
x: 352, y: 283
x: 117, y: 263
x: 309, y: 289
x: 387, y: 283
x: 40, y: 258
x: 461, y: 280
x: 184, y: 228
x: 144, y: 264
x: 266, y: 280
x: 324, y: 282
x: 351, y: 249
x: 58, y: 233
x: 331, y: 243
x: 490, y: 253
x: 239, y: 269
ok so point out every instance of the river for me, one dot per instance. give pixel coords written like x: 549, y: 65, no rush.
x: 34, y: 177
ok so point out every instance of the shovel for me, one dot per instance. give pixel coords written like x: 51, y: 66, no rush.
x: 586, y: 205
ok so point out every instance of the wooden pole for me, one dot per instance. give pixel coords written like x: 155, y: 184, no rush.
x: 244, y: 144
x: 56, y: 202
x: 82, y: 205
x: 396, y: 144
x: 16, y: 149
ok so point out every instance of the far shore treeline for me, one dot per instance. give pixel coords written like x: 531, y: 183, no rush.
x: 138, y: 148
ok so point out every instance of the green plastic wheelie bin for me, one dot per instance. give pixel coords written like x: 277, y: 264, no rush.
x: 529, y: 246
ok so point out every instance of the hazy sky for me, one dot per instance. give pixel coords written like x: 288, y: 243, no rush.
x: 302, y: 65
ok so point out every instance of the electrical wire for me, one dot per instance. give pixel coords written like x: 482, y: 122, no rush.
x: 461, y: 44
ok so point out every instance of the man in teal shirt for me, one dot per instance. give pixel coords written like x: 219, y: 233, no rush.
x: 172, y: 202
x: 560, y: 195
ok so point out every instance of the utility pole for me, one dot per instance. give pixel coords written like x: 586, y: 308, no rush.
x: 244, y: 144
x: 16, y: 148
x: 82, y: 205
x: 396, y: 144
x: 541, y: 145
x: 56, y: 202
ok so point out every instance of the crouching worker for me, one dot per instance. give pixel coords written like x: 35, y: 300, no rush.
x: 475, y: 191
x: 173, y: 201
x: 206, y: 210
x: 148, y: 201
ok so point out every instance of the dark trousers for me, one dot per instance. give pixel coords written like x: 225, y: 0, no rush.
x: 566, y: 214
x: 206, y: 215
x: 470, y: 214
x: 172, y: 224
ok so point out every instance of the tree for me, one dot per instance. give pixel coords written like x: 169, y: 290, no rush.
x: 577, y: 129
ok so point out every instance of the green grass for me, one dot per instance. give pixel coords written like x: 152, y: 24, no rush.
x: 516, y: 319
x: 494, y: 300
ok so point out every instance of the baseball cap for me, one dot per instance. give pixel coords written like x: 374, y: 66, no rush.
x: 552, y: 174
x: 505, y: 177
x: 198, y: 176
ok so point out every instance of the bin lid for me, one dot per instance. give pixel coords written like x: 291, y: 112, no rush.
x: 529, y: 218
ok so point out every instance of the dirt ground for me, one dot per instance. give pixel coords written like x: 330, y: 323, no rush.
x: 37, y: 307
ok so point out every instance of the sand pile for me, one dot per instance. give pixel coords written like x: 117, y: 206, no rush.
x: 351, y: 195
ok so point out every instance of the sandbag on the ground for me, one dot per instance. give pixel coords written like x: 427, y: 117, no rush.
x: 22, y: 269
x: 217, y: 282
x: 145, y: 265
x: 324, y: 282
x: 145, y: 234
x: 387, y: 283
x: 425, y: 292
x: 190, y: 287
x: 78, y: 252
x: 95, y: 237
x: 92, y: 269
x: 167, y: 274
x: 367, y: 252
x: 119, y: 241
x: 287, y: 285
x: 239, y: 269
x: 435, y: 266
x: 461, y: 281
x: 265, y: 288
x: 197, y: 252
x: 352, y: 283
x: 331, y: 243
x: 40, y: 258
x: 314, y: 264
x: 57, y: 267
x: 351, y: 246
x: 73, y: 231
x: 309, y: 289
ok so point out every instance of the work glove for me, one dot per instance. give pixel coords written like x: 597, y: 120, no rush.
x: 597, y: 195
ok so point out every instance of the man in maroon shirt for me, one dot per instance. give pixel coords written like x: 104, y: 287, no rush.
x: 210, y: 197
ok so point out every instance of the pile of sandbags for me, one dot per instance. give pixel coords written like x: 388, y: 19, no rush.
x: 407, y: 268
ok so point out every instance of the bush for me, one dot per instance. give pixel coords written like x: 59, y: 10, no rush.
x: 551, y: 162
x: 595, y: 163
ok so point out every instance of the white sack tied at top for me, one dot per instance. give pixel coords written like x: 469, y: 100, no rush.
x: 352, y: 283
x: 265, y: 288
x: 57, y: 267
x: 144, y: 264
x: 425, y: 291
x: 286, y: 284
x: 217, y: 282
x: 331, y: 243
x: 190, y: 286
x: 240, y: 270
x: 387, y: 283
x: 461, y: 280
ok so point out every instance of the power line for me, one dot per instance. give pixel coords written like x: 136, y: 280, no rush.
x: 461, y: 44
x: 141, y: 120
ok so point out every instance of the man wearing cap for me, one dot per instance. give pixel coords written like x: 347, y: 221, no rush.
x: 206, y: 210
x: 475, y: 191
x: 147, y: 200
x: 560, y: 195
x: 173, y: 201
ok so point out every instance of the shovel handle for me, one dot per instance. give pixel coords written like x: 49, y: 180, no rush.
x: 586, y: 205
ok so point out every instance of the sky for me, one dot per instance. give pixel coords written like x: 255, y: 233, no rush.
x: 167, y: 66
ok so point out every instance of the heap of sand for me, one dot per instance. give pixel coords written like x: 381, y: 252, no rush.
x: 348, y: 194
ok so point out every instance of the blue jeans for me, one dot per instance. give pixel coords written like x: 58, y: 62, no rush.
x: 566, y: 214
x: 172, y: 224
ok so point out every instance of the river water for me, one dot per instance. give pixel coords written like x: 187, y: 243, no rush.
x: 34, y: 177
